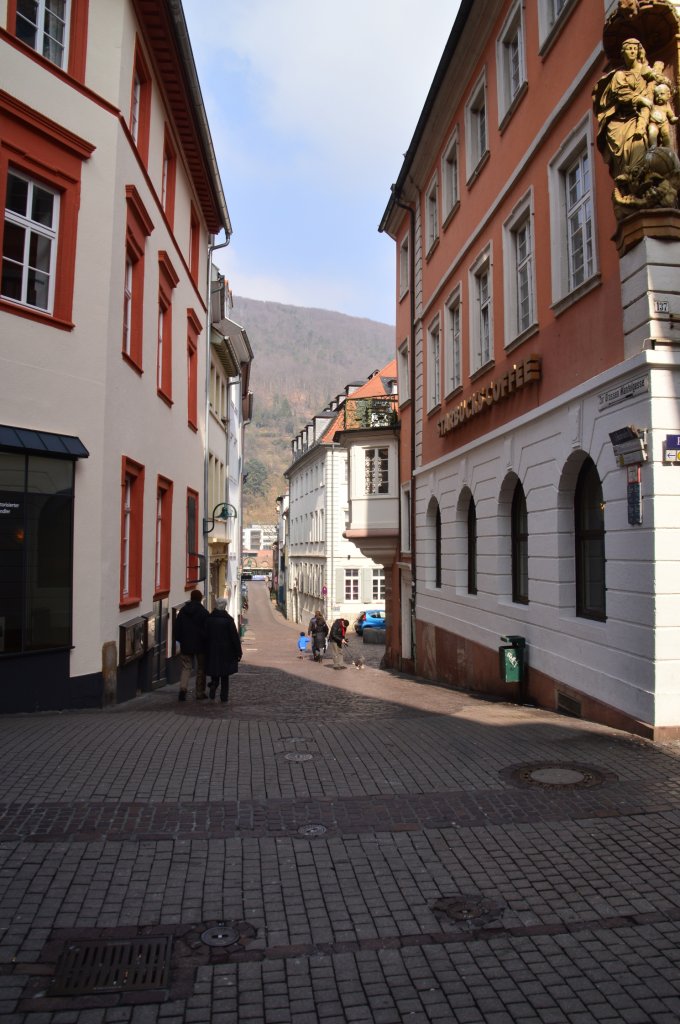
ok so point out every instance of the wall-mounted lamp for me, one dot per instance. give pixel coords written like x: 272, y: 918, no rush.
x: 223, y: 510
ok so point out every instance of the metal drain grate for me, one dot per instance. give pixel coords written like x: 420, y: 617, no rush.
x: 130, y: 965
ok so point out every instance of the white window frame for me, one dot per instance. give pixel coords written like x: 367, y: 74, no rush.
x: 510, y: 61
x: 159, y: 540
x: 352, y: 580
x: 480, y: 288
x: 135, y: 105
x: 404, y: 371
x: 552, y: 15
x: 450, y: 176
x: 404, y: 266
x: 161, y: 340
x: 476, y: 127
x: 376, y: 471
x: 564, y: 289
x: 453, y: 342
x: 378, y: 585
x: 434, y: 381
x: 42, y: 36
x: 128, y: 286
x: 33, y: 228
x: 127, y: 521
x: 519, y: 271
x: 432, y: 214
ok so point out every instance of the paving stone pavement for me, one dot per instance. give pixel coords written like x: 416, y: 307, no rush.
x: 335, y: 846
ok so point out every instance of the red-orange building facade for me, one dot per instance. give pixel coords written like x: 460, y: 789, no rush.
x: 524, y: 341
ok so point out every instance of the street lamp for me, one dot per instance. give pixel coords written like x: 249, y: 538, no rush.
x: 226, y: 511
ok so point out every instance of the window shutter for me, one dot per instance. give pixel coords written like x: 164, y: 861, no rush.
x: 366, y: 591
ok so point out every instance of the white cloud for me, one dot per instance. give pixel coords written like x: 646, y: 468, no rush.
x: 348, y: 78
x: 312, y: 105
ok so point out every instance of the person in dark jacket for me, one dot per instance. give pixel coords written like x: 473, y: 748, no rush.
x: 190, y: 635
x: 223, y: 649
x: 338, y: 640
x: 319, y: 632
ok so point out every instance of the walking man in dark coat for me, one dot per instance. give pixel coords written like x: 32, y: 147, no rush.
x: 190, y: 635
x: 223, y: 649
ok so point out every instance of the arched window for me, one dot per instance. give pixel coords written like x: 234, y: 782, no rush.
x: 472, y: 547
x: 438, y: 549
x: 520, y: 554
x: 589, y: 535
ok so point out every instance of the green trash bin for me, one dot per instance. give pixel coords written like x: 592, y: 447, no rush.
x: 511, y: 659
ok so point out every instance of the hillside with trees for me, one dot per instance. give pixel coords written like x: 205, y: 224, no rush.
x: 302, y: 358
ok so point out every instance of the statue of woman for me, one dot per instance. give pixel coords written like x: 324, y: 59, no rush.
x: 622, y: 107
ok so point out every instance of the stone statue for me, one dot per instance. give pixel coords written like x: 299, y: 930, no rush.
x: 622, y: 108
x: 633, y: 109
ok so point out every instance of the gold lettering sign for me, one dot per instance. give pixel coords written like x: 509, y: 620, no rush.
x: 518, y: 377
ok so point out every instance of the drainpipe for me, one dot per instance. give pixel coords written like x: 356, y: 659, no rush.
x: 206, y: 455
x: 412, y: 385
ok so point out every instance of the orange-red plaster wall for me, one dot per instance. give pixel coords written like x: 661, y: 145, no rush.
x: 587, y: 336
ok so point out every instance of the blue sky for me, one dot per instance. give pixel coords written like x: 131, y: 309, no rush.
x: 312, y: 104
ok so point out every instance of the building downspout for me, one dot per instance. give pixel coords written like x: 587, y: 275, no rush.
x: 206, y: 455
x: 412, y: 386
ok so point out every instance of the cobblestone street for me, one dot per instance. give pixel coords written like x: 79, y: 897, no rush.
x: 335, y: 846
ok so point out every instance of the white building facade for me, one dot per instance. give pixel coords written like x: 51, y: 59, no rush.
x: 111, y: 195
x: 537, y: 328
x: 325, y: 569
x: 229, y: 410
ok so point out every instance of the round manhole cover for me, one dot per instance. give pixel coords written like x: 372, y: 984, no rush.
x: 312, y: 830
x: 556, y: 775
x: 298, y: 757
x: 469, y: 910
x: 221, y: 934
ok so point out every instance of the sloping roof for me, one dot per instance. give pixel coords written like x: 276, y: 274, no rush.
x: 372, y: 388
x: 165, y: 32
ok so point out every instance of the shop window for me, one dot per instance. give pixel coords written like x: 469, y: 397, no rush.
x: 36, y: 552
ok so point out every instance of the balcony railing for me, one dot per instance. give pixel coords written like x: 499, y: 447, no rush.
x: 366, y: 413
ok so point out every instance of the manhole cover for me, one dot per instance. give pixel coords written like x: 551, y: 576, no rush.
x: 556, y: 775
x: 312, y: 830
x: 298, y: 757
x: 472, y: 910
x: 131, y: 965
x: 221, y: 934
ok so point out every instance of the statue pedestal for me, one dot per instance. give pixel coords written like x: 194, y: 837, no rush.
x: 658, y: 223
x: 649, y: 247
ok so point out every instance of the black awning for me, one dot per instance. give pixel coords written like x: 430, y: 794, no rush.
x: 41, y: 442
